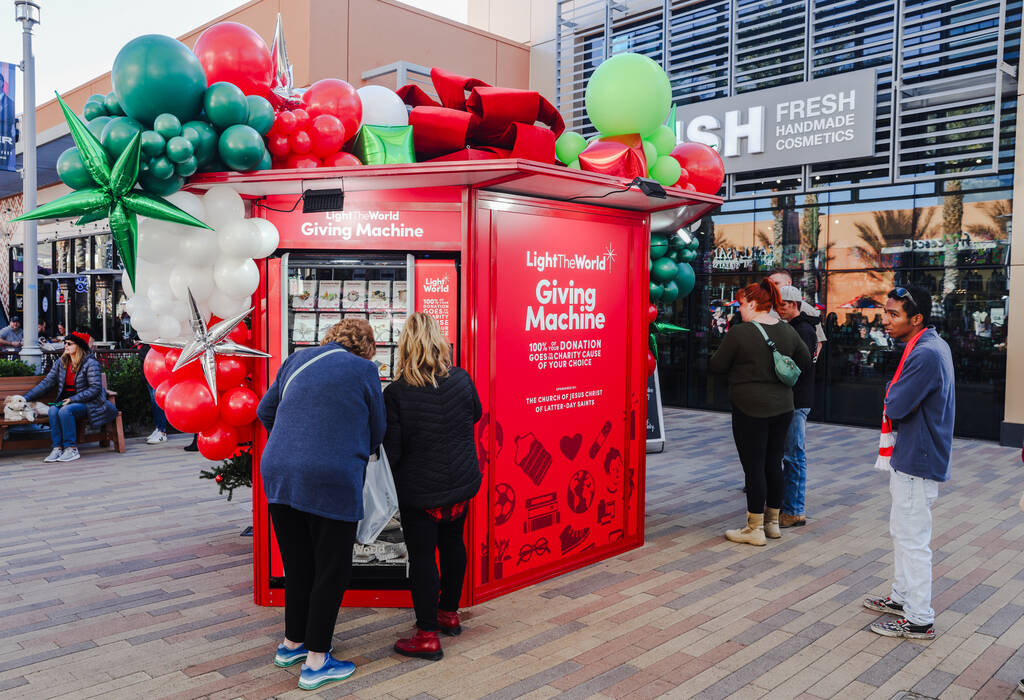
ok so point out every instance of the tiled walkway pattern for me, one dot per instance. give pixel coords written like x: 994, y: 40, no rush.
x: 124, y: 576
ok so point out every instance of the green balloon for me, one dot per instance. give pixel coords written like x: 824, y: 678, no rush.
x: 666, y: 171
x: 112, y: 106
x: 97, y: 125
x: 664, y: 139
x: 656, y: 291
x: 93, y: 109
x: 575, y: 165
x: 152, y: 144
x: 659, y: 245
x: 187, y: 167
x: 118, y: 133
x: 161, y: 168
x: 650, y: 155
x: 72, y: 171
x: 206, y: 148
x: 240, y: 147
x: 686, y: 279
x: 97, y: 97
x: 160, y: 187
x: 266, y: 162
x: 664, y: 269
x: 671, y: 292
x: 628, y: 94
x: 568, y: 146
x: 261, y: 114
x: 225, y: 105
x: 179, y: 149
x: 672, y: 255
x: 167, y: 125
x: 154, y: 74
x: 192, y: 135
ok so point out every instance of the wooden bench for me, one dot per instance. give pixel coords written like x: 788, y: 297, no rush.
x: 111, y: 433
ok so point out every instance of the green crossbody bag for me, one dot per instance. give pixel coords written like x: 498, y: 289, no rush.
x: 785, y: 368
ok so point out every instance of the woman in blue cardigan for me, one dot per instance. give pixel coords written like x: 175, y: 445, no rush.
x: 325, y: 415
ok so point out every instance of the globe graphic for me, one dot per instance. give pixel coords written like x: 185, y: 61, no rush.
x: 580, y: 493
x: 505, y: 503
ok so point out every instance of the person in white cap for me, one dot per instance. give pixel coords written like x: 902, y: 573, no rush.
x: 794, y: 460
x: 783, y: 279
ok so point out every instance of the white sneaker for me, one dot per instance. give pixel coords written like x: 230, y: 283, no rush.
x: 54, y: 455
x: 70, y: 454
x: 156, y: 438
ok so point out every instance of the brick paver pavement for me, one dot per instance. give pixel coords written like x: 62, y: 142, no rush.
x: 124, y: 576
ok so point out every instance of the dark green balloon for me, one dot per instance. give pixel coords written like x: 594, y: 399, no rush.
x: 167, y: 125
x: 694, y: 243
x: 225, y: 105
x: 673, y: 255
x: 179, y: 149
x: 72, y: 171
x: 161, y: 168
x: 685, y: 280
x: 152, y: 144
x: 659, y: 245
x: 266, y: 162
x: 97, y: 125
x: 671, y: 292
x: 686, y: 255
x: 656, y: 291
x: 675, y: 242
x: 97, y: 97
x: 664, y: 269
x: 160, y: 187
x: 240, y: 147
x: 154, y: 74
x: 191, y: 134
x: 261, y: 114
x: 118, y: 133
x: 187, y: 167
x: 112, y: 106
x: 93, y: 109
x: 206, y: 148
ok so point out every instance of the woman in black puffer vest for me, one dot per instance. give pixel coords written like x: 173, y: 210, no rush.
x: 431, y: 409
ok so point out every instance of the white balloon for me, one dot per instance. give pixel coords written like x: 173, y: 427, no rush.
x: 142, y: 314
x: 188, y: 202
x: 222, y: 205
x: 182, y: 313
x: 187, y: 277
x: 157, y: 242
x: 204, y: 311
x: 199, y: 248
x: 269, y: 237
x: 161, y: 298
x: 146, y: 335
x: 126, y: 283
x: 169, y: 327
x: 224, y: 306
x: 382, y: 107
x: 236, y: 278
x: 239, y: 239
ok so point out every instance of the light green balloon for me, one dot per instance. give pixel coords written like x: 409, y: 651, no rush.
x: 628, y: 94
x: 666, y: 171
x: 569, y: 145
x: 664, y: 140
x: 650, y: 155
x: 575, y: 165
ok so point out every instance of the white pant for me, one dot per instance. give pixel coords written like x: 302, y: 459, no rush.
x: 910, y: 524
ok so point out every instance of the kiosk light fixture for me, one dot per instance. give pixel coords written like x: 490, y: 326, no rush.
x: 323, y: 200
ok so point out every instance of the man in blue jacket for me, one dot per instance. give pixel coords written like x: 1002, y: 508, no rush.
x: 920, y: 404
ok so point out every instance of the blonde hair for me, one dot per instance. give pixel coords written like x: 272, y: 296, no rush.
x: 355, y: 334
x: 423, y: 353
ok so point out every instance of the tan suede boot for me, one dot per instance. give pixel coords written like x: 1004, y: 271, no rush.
x: 753, y: 533
x: 771, y: 523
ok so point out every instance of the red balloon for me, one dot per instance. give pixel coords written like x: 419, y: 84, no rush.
x: 327, y: 135
x: 155, y: 368
x: 684, y: 178
x: 279, y: 145
x: 303, y: 161
x: 341, y: 160
x: 238, y: 406
x: 652, y: 313
x: 300, y: 142
x: 240, y: 334
x: 652, y: 363
x: 702, y: 164
x: 231, y: 372
x: 190, y: 371
x: 301, y: 118
x: 232, y: 52
x: 160, y: 393
x: 170, y: 357
x: 190, y: 407
x: 284, y: 123
x: 218, y: 442
x: 334, y: 96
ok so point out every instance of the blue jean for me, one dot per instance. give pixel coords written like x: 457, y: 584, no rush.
x: 794, y: 464
x: 159, y: 417
x: 63, y: 428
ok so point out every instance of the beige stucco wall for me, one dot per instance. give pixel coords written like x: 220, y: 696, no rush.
x: 526, y: 21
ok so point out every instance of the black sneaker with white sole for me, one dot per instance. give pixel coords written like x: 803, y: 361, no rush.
x: 884, y: 605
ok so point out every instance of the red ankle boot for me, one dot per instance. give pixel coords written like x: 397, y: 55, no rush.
x: 449, y: 622
x: 423, y: 645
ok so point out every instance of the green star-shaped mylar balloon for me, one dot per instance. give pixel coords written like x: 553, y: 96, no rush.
x: 114, y: 197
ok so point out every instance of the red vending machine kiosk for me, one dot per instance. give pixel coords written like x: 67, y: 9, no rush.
x: 538, y: 275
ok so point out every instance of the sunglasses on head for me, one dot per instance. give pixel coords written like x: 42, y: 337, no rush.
x: 904, y: 293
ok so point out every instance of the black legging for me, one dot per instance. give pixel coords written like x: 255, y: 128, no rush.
x: 317, y: 555
x: 761, y: 444
x: 424, y: 536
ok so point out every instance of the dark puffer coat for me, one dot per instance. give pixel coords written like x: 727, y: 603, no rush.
x: 88, y: 390
x: 429, y: 440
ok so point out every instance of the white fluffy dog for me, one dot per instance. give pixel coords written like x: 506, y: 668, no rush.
x: 17, y: 408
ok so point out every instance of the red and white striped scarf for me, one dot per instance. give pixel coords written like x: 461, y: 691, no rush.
x: 888, y: 438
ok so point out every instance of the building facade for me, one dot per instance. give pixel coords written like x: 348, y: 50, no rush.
x: 867, y: 145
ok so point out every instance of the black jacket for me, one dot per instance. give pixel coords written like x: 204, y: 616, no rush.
x: 803, y: 392
x: 429, y: 440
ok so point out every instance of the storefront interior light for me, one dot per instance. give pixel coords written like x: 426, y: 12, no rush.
x: 978, y: 161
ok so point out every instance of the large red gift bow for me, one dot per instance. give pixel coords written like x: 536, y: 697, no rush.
x: 489, y: 117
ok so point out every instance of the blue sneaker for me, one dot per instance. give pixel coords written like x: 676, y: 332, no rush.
x: 286, y: 657
x: 332, y: 670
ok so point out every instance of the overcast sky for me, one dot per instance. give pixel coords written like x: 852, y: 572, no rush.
x: 77, y: 40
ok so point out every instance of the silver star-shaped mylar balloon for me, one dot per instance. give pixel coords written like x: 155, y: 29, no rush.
x: 207, y: 343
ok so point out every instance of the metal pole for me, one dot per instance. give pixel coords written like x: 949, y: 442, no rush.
x: 28, y: 14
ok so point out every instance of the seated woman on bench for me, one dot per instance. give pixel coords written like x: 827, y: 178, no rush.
x: 80, y: 393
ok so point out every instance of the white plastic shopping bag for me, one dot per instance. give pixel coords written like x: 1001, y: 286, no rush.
x: 380, y: 499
